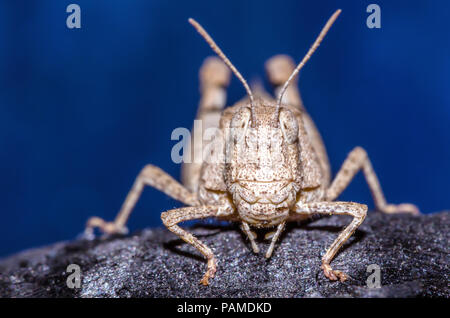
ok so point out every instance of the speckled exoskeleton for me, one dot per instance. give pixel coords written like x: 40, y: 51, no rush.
x: 275, y: 170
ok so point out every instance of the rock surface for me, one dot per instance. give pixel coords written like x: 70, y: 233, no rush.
x: 411, y: 251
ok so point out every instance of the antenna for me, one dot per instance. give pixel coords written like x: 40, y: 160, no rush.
x: 219, y: 52
x: 307, y: 56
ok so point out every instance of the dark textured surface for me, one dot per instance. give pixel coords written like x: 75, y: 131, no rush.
x: 411, y: 251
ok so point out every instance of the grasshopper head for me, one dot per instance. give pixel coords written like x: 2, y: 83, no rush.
x: 262, y: 155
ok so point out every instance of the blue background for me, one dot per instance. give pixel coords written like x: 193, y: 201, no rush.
x: 82, y: 111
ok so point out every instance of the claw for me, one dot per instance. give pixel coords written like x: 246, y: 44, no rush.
x: 87, y: 234
x: 255, y: 247
x: 105, y: 227
x: 204, y: 281
x: 401, y: 208
x: 332, y: 274
x: 210, y: 272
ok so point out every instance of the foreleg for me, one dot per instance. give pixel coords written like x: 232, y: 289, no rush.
x: 274, y: 235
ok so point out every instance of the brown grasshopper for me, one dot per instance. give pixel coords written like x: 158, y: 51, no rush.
x: 275, y: 170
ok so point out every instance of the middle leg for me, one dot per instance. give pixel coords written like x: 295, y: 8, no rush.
x: 356, y: 210
x: 149, y: 176
x: 173, y: 217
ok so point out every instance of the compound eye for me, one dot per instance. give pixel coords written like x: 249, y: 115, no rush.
x: 289, y: 126
x: 241, y: 118
x: 239, y: 123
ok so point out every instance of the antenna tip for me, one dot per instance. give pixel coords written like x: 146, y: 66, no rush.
x: 191, y: 21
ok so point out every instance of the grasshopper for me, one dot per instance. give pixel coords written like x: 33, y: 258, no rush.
x: 276, y: 167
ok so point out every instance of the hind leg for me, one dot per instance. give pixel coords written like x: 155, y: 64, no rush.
x: 279, y: 68
x: 358, y: 160
x: 214, y: 79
